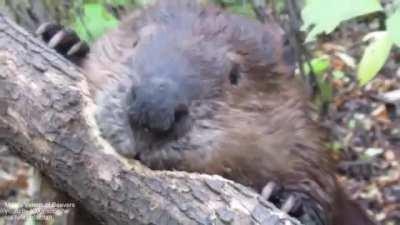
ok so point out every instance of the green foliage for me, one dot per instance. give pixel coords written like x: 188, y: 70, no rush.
x: 325, y: 15
x: 91, y: 18
x: 375, y: 56
x: 392, y: 24
x: 143, y: 2
x: 94, y: 22
x: 242, y: 7
x: 244, y: 10
x: 338, y: 75
x: 326, y: 91
x: 319, y: 67
x: 280, y: 5
x: 117, y: 2
x: 335, y: 146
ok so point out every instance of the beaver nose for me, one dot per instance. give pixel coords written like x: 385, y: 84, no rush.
x: 158, y: 105
x: 181, y: 111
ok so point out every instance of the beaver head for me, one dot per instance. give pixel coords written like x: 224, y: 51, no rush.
x: 200, y: 75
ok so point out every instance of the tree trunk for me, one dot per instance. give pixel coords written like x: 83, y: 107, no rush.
x: 31, y: 13
x: 47, y: 118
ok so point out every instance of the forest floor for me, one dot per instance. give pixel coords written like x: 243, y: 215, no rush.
x: 364, y: 123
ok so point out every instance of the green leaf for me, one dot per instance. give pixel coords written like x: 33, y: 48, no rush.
x: 96, y: 20
x: 375, y: 56
x: 335, y: 146
x: 242, y: 9
x: 117, y: 2
x: 144, y: 2
x: 392, y: 24
x: 319, y: 65
x: 326, y: 90
x: 326, y: 15
x: 338, y: 74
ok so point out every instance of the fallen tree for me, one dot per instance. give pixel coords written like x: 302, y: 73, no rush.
x: 47, y: 119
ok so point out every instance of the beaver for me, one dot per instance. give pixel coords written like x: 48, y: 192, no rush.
x: 185, y: 86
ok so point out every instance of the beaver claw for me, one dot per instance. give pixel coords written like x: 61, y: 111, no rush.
x: 64, y: 40
x: 296, y: 204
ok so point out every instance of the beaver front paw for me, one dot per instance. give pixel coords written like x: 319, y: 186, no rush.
x: 64, y: 40
x: 297, y: 204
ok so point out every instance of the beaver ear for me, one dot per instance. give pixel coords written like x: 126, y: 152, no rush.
x: 261, y: 47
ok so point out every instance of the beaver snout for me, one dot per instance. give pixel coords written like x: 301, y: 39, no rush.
x: 158, y: 105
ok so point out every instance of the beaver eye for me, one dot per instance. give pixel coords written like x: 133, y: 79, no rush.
x: 234, y: 75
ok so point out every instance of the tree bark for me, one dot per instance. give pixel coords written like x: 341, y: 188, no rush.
x: 47, y: 118
x: 31, y: 13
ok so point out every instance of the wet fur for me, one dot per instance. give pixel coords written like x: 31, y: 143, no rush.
x: 253, y: 132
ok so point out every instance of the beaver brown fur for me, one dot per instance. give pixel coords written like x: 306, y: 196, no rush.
x: 184, y: 86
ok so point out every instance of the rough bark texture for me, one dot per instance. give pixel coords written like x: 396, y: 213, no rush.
x: 46, y: 117
x: 31, y: 13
